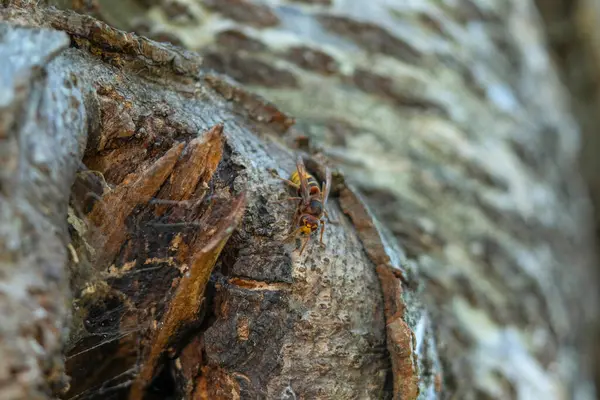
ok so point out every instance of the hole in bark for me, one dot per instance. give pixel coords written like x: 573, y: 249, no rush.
x: 163, y: 386
x: 388, y: 386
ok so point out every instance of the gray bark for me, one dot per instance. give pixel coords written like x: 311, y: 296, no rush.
x: 461, y: 141
x: 42, y: 136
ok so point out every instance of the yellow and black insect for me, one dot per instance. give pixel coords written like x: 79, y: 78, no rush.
x: 312, y: 200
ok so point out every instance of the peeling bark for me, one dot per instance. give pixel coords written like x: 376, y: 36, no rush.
x: 184, y: 307
x: 401, y: 339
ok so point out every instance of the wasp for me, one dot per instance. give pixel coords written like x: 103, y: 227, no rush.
x: 312, y: 200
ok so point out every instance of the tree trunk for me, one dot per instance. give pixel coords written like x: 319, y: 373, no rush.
x: 449, y: 118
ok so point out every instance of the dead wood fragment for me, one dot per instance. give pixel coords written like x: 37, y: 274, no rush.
x: 183, y: 308
x: 216, y: 384
x: 369, y: 230
x: 199, y: 381
x: 116, y: 121
x: 199, y: 159
x: 400, y: 337
x: 181, y: 61
x: 187, y: 368
x: 109, y: 214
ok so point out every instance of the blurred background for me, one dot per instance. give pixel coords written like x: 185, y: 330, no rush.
x: 572, y: 30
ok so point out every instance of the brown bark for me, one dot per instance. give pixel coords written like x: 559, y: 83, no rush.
x: 449, y: 137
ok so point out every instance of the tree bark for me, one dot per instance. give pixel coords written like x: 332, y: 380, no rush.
x: 42, y: 137
x: 461, y: 142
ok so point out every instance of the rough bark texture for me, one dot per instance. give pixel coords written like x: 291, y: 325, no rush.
x: 42, y: 137
x: 448, y: 116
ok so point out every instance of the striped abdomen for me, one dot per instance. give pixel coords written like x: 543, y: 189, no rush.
x: 313, y: 185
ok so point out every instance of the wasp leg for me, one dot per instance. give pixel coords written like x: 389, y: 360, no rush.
x: 296, y: 223
x: 331, y: 220
x: 297, y: 216
x: 292, y: 235
x: 322, y: 232
x: 304, y: 245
